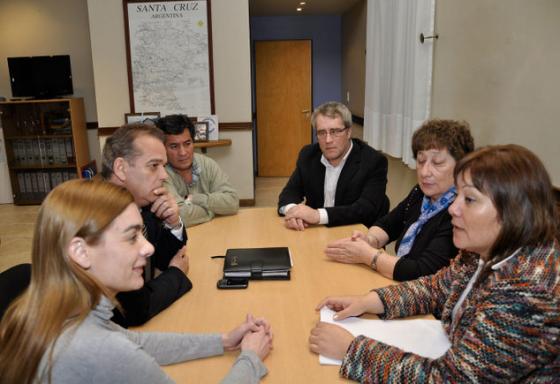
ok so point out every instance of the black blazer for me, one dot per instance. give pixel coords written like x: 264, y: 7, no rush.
x: 360, y: 192
x: 433, y: 247
x: 160, y: 292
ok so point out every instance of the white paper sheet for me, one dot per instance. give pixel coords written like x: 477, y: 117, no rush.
x: 422, y: 337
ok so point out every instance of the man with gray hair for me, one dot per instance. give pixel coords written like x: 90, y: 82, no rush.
x: 134, y: 158
x: 342, y: 180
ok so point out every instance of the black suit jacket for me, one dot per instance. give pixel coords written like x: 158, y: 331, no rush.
x: 160, y: 292
x: 360, y: 192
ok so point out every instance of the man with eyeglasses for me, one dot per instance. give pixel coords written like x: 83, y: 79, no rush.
x: 337, y: 181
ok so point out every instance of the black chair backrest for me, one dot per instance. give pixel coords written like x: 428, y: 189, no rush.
x: 13, y: 282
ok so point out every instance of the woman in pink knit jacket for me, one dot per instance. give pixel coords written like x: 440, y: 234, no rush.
x: 499, y: 300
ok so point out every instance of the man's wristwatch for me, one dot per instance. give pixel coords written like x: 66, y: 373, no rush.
x: 373, y: 264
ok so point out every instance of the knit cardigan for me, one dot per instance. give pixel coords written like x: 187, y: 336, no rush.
x: 509, y: 330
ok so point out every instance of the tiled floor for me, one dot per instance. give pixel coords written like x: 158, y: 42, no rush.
x: 16, y: 233
x: 17, y: 222
x: 267, y: 190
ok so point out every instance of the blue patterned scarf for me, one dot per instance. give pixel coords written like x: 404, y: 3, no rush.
x: 195, y: 173
x: 427, y: 211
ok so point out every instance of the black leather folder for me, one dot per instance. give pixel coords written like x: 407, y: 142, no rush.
x: 258, y: 263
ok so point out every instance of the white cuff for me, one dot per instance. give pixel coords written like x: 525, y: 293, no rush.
x: 323, y: 216
x: 286, y: 208
x: 177, y: 231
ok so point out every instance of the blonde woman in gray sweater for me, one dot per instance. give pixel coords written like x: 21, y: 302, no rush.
x: 87, y: 246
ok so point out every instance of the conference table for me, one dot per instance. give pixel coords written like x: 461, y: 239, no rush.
x: 289, y: 305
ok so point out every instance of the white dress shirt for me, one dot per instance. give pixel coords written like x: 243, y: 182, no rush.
x: 332, y: 173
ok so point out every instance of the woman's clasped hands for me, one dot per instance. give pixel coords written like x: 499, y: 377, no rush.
x: 254, y: 335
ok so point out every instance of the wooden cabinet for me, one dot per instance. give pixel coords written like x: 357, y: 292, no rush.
x: 46, y: 144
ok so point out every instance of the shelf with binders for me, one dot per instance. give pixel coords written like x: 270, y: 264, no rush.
x: 45, y: 166
x: 53, y: 151
x: 34, y: 185
x: 46, y: 144
x: 37, y: 137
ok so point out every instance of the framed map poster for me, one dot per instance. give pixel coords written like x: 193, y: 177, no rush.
x: 169, y: 56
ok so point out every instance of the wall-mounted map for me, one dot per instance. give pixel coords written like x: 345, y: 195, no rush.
x: 169, y: 57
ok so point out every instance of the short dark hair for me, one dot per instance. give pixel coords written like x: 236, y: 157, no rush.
x: 520, y: 188
x: 121, y: 144
x: 175, y: 125
x: 453, y: 135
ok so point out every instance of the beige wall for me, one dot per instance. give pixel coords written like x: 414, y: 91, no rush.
x: 48, y: 27
x: 496, y: 65
x: 108, y: 52
x: 232, y: 60
x: 232, y: 90
x: 354, y: 57
x: 232, y: 85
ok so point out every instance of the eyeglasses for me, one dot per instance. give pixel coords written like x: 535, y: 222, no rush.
x: 333, y: 132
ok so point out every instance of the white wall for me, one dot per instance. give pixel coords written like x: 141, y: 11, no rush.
x: 232, y: 85
x: 497, y: 65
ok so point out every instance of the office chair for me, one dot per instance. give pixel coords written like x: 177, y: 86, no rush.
x: 13, y: 282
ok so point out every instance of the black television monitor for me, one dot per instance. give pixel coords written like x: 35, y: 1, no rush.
x: 40, y: 76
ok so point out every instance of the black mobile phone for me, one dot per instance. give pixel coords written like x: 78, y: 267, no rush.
x: 229, y: 283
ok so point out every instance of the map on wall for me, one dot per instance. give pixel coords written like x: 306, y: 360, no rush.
x: 169, y: 58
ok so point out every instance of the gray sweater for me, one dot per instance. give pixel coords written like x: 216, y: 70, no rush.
x: 99, y: 351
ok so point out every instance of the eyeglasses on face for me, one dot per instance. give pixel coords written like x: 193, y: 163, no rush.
x: 333, y: 132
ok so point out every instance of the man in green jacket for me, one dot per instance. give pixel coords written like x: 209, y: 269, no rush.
x: 201, y: 188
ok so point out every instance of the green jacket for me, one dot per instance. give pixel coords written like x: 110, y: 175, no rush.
x: 211, y: 193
